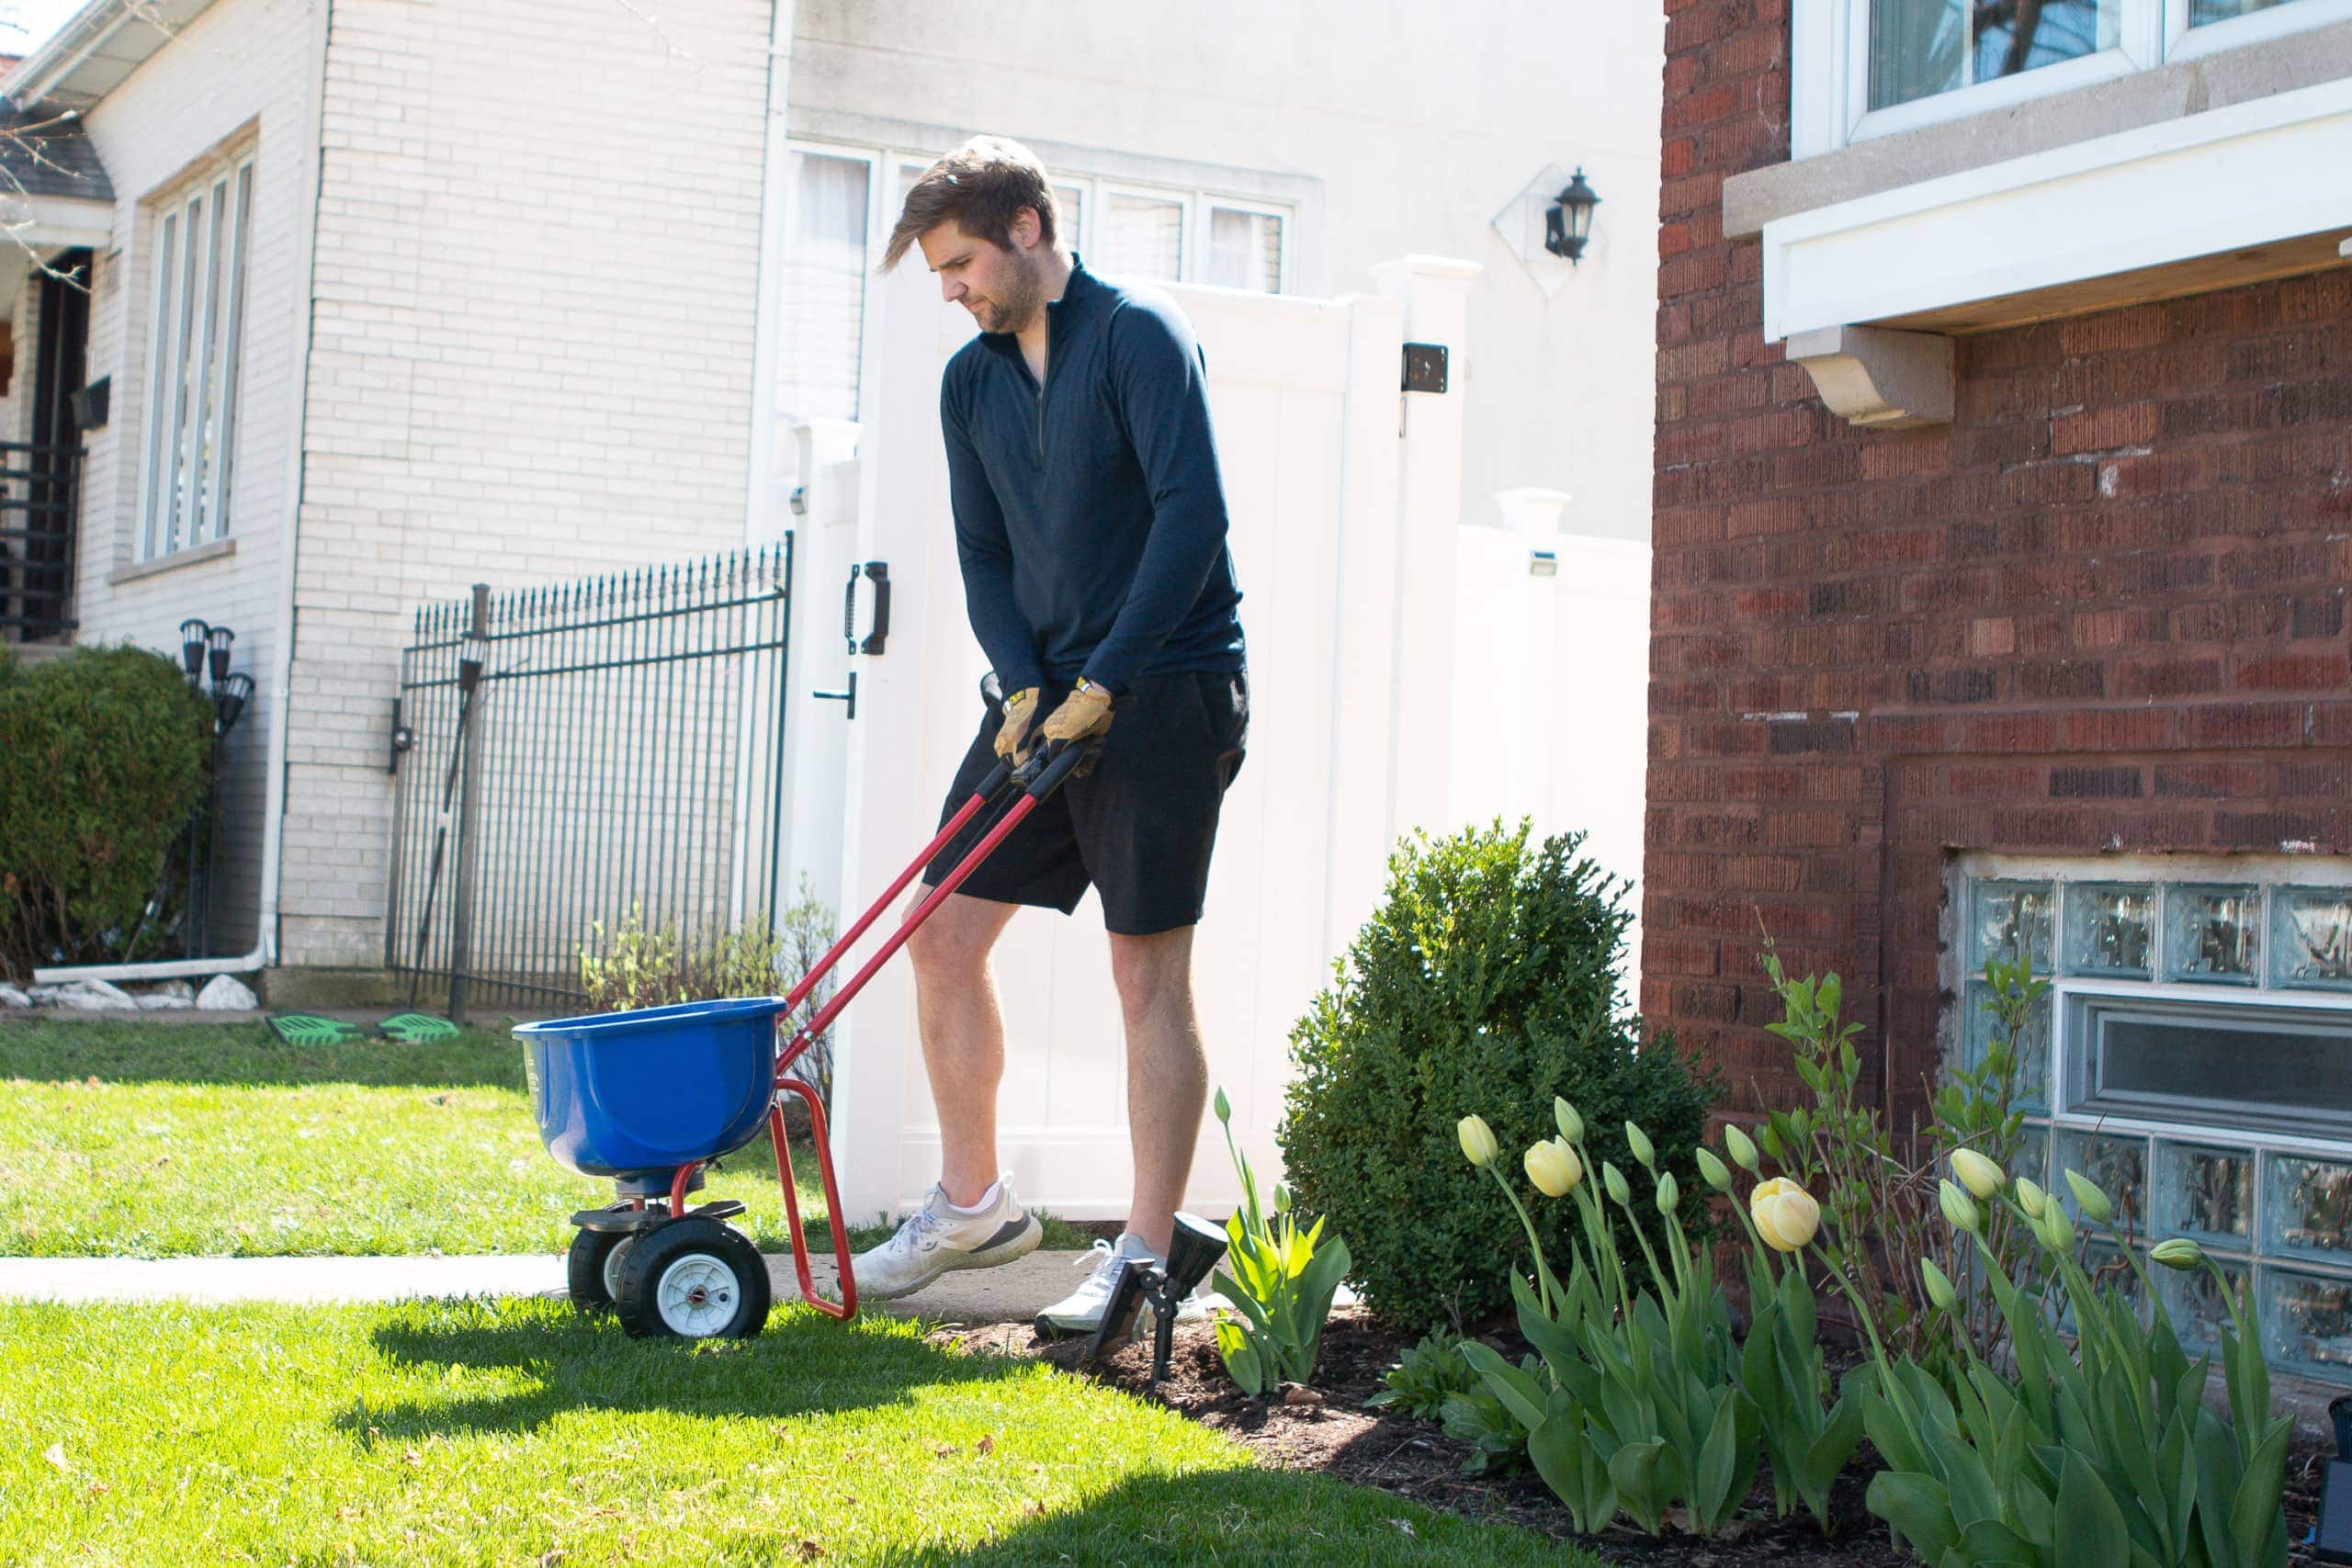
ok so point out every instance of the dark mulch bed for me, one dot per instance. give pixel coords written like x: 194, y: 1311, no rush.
x: 1333, y: 1433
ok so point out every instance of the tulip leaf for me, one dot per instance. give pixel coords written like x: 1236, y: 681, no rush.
x: 1917, y: 1509
x: 2255, y: 1516
x: 2090, y: 1532
x: 1518, y: 1390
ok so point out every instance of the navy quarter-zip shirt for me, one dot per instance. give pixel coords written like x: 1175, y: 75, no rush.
x: 1090, y: 516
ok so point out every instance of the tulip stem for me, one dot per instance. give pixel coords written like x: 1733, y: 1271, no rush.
x: 1542, y: 1270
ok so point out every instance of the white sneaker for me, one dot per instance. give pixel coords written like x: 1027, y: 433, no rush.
x: 939, y: 1238
x: 1081, y: 1311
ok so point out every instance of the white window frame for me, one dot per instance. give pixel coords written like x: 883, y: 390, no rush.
x: 164, y: 446
x: 1830, y: 108
x: 1211, y: 203
x: 877, y: 164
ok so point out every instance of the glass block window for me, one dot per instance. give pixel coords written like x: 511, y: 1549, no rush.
x: 2194, y: 1059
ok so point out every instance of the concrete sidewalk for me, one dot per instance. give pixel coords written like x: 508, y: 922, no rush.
x: 1009, y: 1294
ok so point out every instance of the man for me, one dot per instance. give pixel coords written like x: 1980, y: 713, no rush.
x: 1090, y: 523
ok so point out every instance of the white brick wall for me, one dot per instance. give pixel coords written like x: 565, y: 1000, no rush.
x: 238, y: 73
x: 535, y: 270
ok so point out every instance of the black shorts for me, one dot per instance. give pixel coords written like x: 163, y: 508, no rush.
x: 1139, y: 826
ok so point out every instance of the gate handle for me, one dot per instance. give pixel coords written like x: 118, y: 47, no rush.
x: 849, y: 696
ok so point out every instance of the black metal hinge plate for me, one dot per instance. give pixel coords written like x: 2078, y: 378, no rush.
x: 1425, y: 367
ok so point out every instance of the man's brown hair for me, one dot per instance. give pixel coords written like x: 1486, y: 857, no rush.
x: 981, y: 186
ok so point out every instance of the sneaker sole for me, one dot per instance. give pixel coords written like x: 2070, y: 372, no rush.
x: 991, y: 1256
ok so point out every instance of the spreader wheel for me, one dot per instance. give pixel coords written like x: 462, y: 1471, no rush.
x: 592, y: 1268
x: 691, y: 1278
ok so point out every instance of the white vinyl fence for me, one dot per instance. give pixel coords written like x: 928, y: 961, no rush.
x: 1347, y: 540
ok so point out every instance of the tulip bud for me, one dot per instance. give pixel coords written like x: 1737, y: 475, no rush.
x: 1639, y: 1142
x: 1615, y: 1179
x: 2031, y: 1198
x: 2179, y: 1253
x: 1282, y: 1198
x: 1224, y: 1107
x: 1670, y: 1193
x: 1554, y: 1167
x: 1712, y: 1170
x: 1980, y: 1176
x: 1478, y: 1140
x: 1785, y: 1214
x: 2095, y: 1204
x: 1939, y: 1289
x: 1571, y: 1124
x: 1959, y: 1208
x: 1742, y: 1148
x: 2054, y: 1230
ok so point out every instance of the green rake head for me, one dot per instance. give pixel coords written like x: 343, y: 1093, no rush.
x: 309, y: 1029
x: 416, y: 1027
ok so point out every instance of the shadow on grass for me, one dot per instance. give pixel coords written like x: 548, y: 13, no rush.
x: 803, y: 1364
x: 246, y: 1053
x: 1246, y: 1515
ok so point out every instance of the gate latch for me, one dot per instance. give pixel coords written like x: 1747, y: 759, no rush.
x: 403, y: 738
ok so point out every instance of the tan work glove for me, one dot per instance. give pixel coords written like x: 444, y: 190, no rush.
x: 1019, y: 713
x: 1085, y: 715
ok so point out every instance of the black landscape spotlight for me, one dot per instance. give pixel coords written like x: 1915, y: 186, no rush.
x: 216, y: 642
x: 2332, y: 1541
x: 1568, y: 222
x: 1191, y: 1253
x: 192, y: 635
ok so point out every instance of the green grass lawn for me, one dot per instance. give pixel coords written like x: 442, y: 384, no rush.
x: 511, y: 1433
x: 146, y: 1140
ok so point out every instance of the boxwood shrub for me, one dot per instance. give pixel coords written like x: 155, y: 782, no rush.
x: 1486, y: 983
x: 102, y: 758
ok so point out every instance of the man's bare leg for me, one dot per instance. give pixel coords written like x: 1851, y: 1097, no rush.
x: 963, y: 1036
x: 1168, y: 1074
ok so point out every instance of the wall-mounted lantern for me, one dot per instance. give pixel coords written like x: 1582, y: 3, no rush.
x: 1568, y: 222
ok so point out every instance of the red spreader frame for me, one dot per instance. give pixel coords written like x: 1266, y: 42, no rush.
x: 1036, y: 779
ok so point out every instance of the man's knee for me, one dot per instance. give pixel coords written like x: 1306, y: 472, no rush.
x: 1153, y: 973
x: 956, y: 939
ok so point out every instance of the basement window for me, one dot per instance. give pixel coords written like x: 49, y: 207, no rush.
x: 2194, y: 1059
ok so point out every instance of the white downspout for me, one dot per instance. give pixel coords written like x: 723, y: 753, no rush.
x: 265, y: 949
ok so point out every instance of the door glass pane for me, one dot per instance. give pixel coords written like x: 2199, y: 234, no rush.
x: 2207, y: 1193
x: 824, y: 282
x: 1920, y: 48
x: 1144, y: 237
x: 1245, y: 250
x: 2311, y: 937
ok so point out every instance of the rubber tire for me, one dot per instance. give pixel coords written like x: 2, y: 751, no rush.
x: 657, y: 1249
x: 584, y: 1269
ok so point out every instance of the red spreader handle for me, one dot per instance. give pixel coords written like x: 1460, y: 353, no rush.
x: 1042, y: 774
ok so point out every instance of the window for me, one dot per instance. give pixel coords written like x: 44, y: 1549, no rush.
x: 823, y: 326
x: 195, y: 331
x: 2194, y: 1059
x: 1143, y: 237
x: 1868, y: 68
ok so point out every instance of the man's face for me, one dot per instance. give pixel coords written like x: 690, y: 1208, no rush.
x: 1002, y: 287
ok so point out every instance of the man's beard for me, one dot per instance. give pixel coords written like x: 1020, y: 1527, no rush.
x: 1019, y: 294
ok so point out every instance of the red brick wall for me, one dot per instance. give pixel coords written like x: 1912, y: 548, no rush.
x: 2104, y: 609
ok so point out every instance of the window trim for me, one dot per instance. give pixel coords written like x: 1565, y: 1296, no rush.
x: 1830, y: 110
x: 172, y: 336
x: 2075, y: 1104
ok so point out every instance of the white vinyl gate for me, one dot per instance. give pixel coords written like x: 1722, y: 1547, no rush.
x: 1345, y: 498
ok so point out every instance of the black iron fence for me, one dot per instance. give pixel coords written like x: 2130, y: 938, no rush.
x: 37, y: 487
x: 566, y: 754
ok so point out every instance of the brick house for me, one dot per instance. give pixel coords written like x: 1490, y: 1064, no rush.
x: 2003, y: 534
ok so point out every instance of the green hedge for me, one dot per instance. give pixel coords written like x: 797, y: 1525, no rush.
x: 1486, y: 983
x: 102, y: 757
